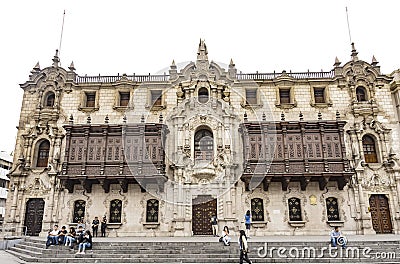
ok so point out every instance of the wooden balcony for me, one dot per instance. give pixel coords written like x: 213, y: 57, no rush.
x: 114, y: 154
x: 302, y: 151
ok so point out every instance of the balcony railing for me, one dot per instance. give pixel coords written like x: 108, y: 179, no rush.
x: 295, y: 75
x: 165, y: 77
x: 115, y: 78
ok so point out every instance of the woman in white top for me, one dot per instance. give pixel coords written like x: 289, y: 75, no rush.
x: 225, y: 236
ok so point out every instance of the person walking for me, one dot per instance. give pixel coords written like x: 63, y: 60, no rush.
x: 247, y: 222
x: 95, y: 226
x: 244, y: 247
x: 103, y: 226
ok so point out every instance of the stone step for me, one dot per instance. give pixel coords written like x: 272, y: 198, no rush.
x: 211, y: 245
x: 33, y: 250
x: 153, y: 257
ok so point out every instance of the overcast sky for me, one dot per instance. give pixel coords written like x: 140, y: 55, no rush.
x: 111, y: 37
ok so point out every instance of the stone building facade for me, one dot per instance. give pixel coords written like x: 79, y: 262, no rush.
x: 158, y: 155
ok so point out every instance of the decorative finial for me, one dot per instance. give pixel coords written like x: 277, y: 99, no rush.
x: 319, y: 115
x: 173, y: 73
x: 106, y: 119
x: 37, y: 67
x: 337, y: 62
x: 124, y: 119
x: 301, y: 116
x: 142, y: 119
x: 71, y: 119
x: 264, y: 117
x: 160, y: 118
x: 245, y: 116
x: 231, y: 64
x: 89, y: 120
x: 72, y: 67
x: 354, y: 52
x: 374, y: 61
x: 56, y: 59
x: 202, y: 51
x: 337, y: 115
x: 282, y: 116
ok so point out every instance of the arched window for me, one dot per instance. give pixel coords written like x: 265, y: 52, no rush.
x: 332, y: 209
x: 369, y: 149
x: 203, y: 145
x: 361, y: 94
x: 43, y: 154
x: 115, y: 211
x: 294, y: 209
x: 203, y: 95
x: 257, y: 209
x: 152, y: 208
x: 79, y: 211
x: 49, y: 102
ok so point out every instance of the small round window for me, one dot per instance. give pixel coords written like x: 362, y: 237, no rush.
x: 203, y: 95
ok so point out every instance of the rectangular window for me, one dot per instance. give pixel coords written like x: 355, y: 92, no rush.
x: 284, y: 95
x: 124, y: 98
x: 319, y: 95
x: 156, y: 96
x: 251, y: 96
x: 90, y: 99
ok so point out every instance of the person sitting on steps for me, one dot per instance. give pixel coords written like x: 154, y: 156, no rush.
x: 335, y: 236
x: 86, y: 243
x: 62, y: 235
x: 71, y: 237
x: 225, y: 236
x: 52, y: 237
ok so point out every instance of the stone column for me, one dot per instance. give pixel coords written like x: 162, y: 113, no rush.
x: 13, y: 207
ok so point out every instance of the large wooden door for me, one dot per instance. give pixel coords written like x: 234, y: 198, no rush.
x: 380, y: 213
x: 203, y: 208
x: 34, y: 216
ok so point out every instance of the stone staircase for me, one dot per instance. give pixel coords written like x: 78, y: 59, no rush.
x: 170, y: 251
